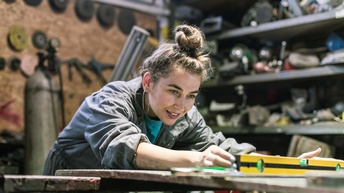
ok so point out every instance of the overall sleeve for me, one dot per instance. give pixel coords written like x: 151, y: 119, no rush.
x: 199, y: 136
x: 111, y: 130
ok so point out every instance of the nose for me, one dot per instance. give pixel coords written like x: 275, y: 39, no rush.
x: 180, y: 103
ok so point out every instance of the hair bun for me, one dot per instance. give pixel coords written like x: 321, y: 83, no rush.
x: 188, y: 37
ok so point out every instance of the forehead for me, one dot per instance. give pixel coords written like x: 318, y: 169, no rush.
x: 182, y: 78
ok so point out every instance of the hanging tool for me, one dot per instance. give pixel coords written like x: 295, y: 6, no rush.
x: 97, y: 68
x: 53, y: 62
x: 75, y: 62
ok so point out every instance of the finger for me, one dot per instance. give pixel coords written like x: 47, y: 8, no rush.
x: 310, y: 154
x: 222, y: 153
x: 224, y: 162
x: 219, y: 161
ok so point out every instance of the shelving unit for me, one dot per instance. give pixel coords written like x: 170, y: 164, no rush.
x: 283, y: 76
x: 317, y: 26
x: 321, y: 129
x: 287, y: 28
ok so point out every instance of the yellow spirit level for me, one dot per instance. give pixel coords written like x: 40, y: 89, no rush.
x: 266, y: 164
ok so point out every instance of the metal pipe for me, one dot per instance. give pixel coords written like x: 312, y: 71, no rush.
x: 130, y: 54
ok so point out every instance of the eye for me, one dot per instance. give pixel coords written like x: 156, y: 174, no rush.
x: 174, y: 91
x: 192, y: 96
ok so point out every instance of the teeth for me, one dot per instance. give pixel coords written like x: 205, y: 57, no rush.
x: 174, y: 113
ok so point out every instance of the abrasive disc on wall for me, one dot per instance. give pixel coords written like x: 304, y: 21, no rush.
x: 17, y: 37
x: 14, y: 63
x: 106, y: 15
x: 126, y: 21
x: 33, y: 2
x: 58, y: 5
x: 84, y: 9
x: 2, y: 63
x: 39, y: 40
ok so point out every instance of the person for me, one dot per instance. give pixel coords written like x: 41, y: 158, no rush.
x: 149, y: 122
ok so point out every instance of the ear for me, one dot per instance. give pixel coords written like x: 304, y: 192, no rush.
x: 146, y: 81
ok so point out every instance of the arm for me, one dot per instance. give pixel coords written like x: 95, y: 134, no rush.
x: 199, y: 136
x: 149, y: 156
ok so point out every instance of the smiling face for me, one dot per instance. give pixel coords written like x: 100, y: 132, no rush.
x: 172, y: 97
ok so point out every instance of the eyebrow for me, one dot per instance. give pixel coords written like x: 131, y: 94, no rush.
x: 178, y: 88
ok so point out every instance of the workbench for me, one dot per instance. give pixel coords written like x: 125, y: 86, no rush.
x: 142, y: 180
x: 147, y: 180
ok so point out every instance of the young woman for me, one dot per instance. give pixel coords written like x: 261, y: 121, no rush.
x: 149, y: 122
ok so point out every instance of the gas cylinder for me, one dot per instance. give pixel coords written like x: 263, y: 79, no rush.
x: 41, y: 119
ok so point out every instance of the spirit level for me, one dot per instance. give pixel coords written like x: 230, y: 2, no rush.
x: 266, y: 164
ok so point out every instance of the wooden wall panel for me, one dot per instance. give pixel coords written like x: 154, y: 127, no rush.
x: 79, y: 39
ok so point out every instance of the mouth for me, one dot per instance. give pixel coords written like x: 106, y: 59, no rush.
x: 173, y: 115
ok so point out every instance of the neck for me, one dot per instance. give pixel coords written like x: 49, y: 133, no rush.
x: 146, y: 106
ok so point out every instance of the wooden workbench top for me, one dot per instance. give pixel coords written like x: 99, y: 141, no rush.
x: 146, y: 180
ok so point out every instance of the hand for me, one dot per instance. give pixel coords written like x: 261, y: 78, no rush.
x: 215, y: 156
x: 310, y: 154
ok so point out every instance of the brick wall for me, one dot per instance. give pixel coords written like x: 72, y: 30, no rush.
x: 79, y: 39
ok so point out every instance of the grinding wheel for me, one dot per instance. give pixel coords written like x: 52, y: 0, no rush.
x: 39, y: 40
x: 126, y: 21
x: 14, y: 63
x: 106, y: 15
x: 58, y: 5
x: 33, y: 2
x: 10, y: 1
x: 17, y: 37
x: 84, y: 9
x: 2, y: 63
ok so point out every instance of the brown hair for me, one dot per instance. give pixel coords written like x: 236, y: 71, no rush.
x: 186, y: 53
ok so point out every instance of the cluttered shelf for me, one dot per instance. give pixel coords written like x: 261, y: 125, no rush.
x: 292, y: 75
x: 318, y: 129
x: 267, y: 65
x: 287, y: 28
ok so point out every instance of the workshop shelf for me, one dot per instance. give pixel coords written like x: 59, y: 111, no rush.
x: 282, y: 76
x: 319, y: 129
x: 287, y: 28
